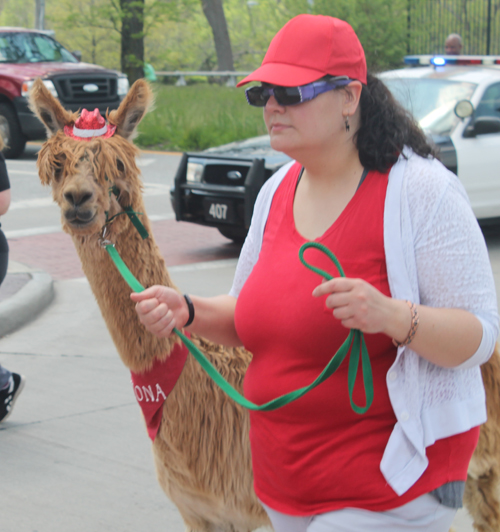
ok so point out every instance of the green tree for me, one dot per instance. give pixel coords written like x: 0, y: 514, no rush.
x: 379, y: 24
x: 252, y: 25
x: 111, y: 32
x: 183, y: 41
x: 20, y: 13
x: 177, y: 35
x: 90, y: 26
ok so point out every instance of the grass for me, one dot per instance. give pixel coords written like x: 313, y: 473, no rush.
x: 198, y: 117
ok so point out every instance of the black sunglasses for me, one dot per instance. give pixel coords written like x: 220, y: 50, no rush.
x: 259, y: 96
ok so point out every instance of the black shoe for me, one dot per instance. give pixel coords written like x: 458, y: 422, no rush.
x: 9, y: 395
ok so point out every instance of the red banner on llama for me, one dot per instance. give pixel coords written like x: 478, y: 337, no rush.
x: 152, y: 388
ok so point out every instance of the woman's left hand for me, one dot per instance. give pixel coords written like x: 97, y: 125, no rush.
x: 357, y: 304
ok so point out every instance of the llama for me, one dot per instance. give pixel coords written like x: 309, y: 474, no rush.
x: 482, y: 489
x: 201, y: 454
x: 201, y: 450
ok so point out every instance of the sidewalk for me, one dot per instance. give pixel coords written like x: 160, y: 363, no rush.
x: 76, y: 453
x: 24, y: 293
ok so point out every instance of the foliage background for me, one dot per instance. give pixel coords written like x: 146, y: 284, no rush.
x: 178, y: 36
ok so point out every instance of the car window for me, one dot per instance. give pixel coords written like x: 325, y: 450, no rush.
x: 490, y: 102
x: 32, y: 48
x: 47, y: 48
x: 431, y: 101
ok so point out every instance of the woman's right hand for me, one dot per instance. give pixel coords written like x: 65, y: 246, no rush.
x: 160, y: 309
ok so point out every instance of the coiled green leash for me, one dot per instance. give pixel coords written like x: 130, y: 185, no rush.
x: 356, y: 336
x: 355, y: 341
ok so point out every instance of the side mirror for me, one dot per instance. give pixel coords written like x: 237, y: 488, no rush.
x: 464, y: 109
x: 77, y: 54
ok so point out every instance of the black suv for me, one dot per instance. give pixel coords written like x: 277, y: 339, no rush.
x: 218, y: 187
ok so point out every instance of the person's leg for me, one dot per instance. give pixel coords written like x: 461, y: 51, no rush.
x: 4, y: 377
x: 424, y: 514
x: 286, y: 523
x: 4, y: 256
x: 4, y: 261
x: 11, y: 385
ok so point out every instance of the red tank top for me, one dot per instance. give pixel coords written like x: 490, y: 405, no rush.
x: 315, y: 454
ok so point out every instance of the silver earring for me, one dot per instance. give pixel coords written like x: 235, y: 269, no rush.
x: 347, y: 126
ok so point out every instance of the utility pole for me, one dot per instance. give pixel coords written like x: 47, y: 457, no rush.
x: 40, y: 15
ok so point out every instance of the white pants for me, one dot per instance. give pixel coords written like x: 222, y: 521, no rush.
x: 424, y: 514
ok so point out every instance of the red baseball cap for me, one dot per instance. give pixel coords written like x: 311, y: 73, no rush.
x: 309, y: 47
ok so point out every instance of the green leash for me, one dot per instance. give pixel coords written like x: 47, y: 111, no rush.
x: 128, y: 211
x: 354, y: 341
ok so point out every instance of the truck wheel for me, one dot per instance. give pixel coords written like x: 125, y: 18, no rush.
x: 236, y: 234
x: 10, y: 130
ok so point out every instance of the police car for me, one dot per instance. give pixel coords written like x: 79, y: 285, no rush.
x: 456, y: 100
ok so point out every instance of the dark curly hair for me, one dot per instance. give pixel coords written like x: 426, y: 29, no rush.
x: 386, y: 127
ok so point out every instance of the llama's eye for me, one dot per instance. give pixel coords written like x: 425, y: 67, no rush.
x: 58, y: 170
x: 120, y: 165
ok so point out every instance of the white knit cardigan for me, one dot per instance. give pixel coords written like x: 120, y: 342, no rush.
x: 436, y: 256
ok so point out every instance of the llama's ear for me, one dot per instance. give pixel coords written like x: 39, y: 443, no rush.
x: 48, y: 109
x: 132, y: 110
x: 45, y: 164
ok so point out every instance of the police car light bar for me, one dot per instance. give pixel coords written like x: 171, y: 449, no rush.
x: 442, y: 60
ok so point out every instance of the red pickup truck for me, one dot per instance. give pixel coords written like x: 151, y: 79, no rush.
x: 29, y: 54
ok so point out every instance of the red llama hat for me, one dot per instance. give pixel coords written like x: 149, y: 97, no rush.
x: 309, y: 47
x: 89, y: 126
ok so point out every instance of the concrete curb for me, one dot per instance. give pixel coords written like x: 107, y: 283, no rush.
x: 27, y: 303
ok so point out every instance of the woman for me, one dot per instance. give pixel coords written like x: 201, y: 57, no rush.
x: 418, y: 284
x: 11, y: 384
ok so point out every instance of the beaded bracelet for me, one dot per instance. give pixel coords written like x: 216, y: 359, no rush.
x: 191, y: 310
x: 414, y: 326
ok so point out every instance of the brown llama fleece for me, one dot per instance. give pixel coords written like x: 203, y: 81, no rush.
x: 202, y: 450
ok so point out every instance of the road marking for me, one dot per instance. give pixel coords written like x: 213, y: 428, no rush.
x: 140, y: 162
x: 145, y: 162
x: 161, y: 217
x: 208, y: 265
x: 27, y: 172
x: 19, y: 161
x: 150, y: 189
x: 30, y: 203
x: 34, y: 231
x: 152, y: 152
x: 198, y: 266
x: 158, y: 152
